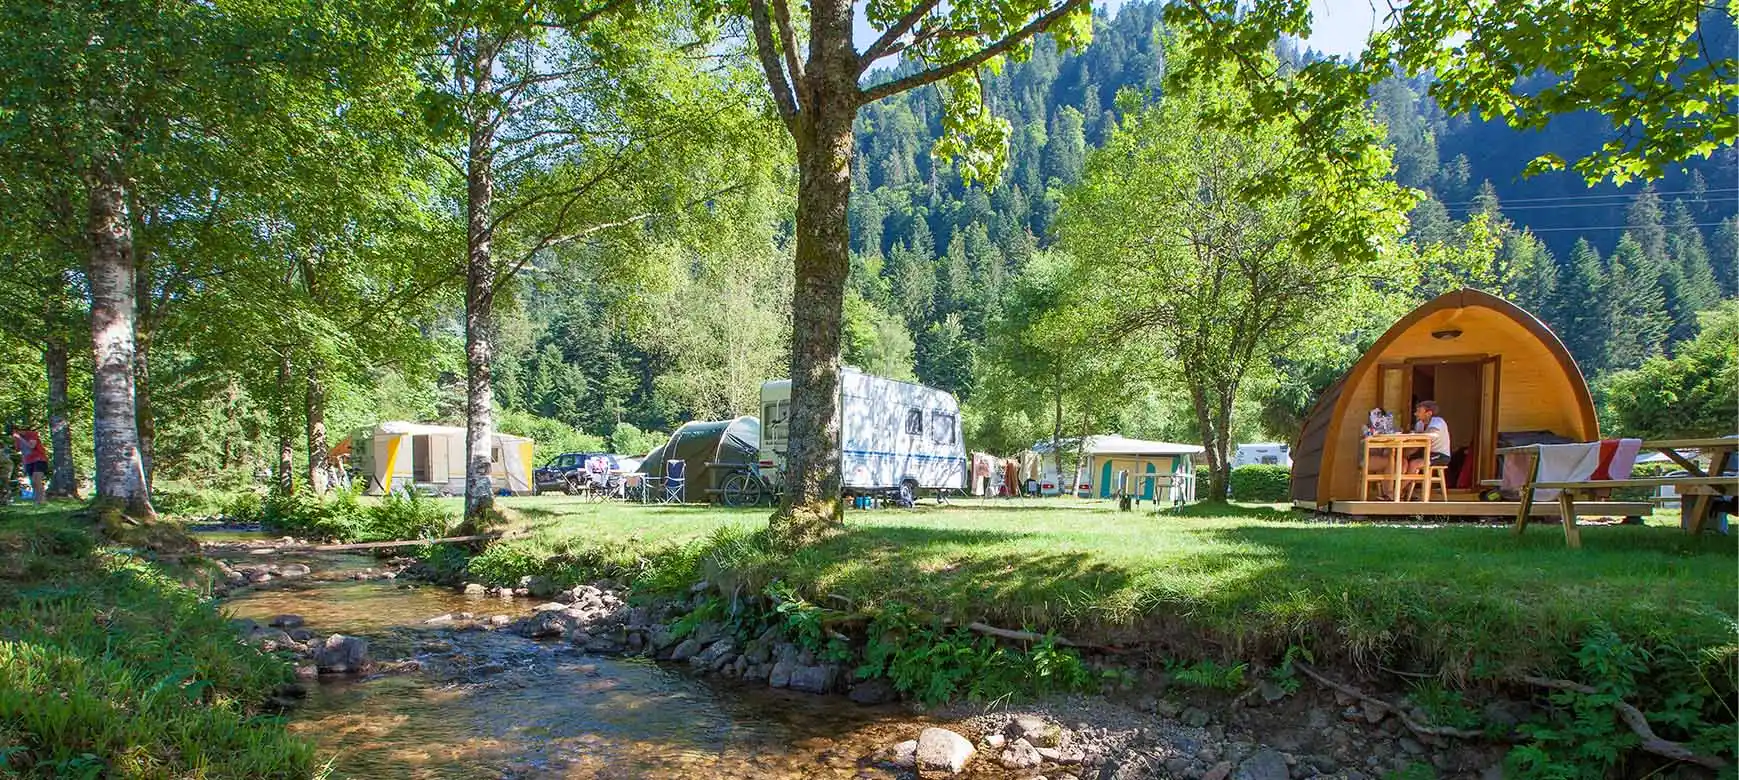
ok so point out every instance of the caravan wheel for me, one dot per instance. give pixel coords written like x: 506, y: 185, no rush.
x: 908, y: 496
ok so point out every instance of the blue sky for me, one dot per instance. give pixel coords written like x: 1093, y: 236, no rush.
x: 1338, y: 26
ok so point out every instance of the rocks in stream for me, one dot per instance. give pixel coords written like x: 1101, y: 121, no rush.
x: 340, y: 654
x: 943, y: 751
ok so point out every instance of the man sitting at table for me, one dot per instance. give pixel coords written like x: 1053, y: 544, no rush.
x: 1425, y: 420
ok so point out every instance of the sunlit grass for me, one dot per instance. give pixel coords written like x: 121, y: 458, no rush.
x: 110, y: 667
x: 1470, y: 599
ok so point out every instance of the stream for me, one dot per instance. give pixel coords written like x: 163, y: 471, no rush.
x: 493, y: 704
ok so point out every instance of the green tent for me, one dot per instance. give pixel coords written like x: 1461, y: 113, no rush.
x: 711, y: 451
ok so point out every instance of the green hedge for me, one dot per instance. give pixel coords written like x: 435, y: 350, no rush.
x: 1263, y: 484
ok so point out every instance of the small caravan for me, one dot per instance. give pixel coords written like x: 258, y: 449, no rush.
x: 1263, y: 454
x: 431, y: 458
x: 894, y: 436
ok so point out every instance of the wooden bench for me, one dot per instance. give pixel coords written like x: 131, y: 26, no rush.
x: 1567, y: 497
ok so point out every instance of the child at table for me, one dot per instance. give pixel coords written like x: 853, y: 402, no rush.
x: 1380, y: 423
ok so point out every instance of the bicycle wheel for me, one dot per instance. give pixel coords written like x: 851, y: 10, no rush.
x: 742, y: 489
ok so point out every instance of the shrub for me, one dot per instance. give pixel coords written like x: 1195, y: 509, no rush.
x: 1644, y: 471
x: 1263, y: 484
x: 402, y: 516
x: 630, y: 440
x: 550, y: 437
x: 307, y: 516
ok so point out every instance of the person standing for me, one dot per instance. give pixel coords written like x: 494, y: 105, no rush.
x: 35, y: 461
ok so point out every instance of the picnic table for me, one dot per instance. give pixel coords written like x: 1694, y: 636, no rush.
x: 1721, y: 452
x: 1704, y: 486
x: 1397, y: 444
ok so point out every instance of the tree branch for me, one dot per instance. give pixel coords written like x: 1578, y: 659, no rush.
x: 984, y: 55
x: 883, y: 46
x: 782, y: 15
x: 783, y: 97
x: 1638, y: 723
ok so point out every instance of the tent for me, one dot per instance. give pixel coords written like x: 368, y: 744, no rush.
x: 432, y: 457
x: 1104, y: 458
x: 710, y: 451
x: 1493, y: 370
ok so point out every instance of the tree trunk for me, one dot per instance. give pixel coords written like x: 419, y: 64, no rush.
x: 1211, y: 449
x: 1057, y: 431
x: 285, y: 482
x: 812, y: 505
x: 61, y: 481
x: 317, y: 452
x: 231, y: 399
x: 120, y: 474
x: 142, y: 401
x: 479, y: 322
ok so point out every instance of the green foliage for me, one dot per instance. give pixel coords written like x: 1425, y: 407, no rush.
x: 1286, y: 674
x: 1263, y: 484
x: 1415, y: 770
x: 1581, y: 733
x: 630, y: 440
x: 549, y: 437
x: 1207, y: 673
x: 344, y: 517
x: 934, y: 664
x: 1144, y: 255
x: 1643, y: 67
x: 109, y: 667
x: 1689, y: 394
x: 1444, y: 707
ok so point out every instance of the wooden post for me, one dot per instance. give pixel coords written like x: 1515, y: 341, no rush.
x: 1701, y: 506
x: 1567, y: 509
x: 1528, y: 495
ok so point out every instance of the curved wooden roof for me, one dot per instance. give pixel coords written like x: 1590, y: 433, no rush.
x: 1316, y: 442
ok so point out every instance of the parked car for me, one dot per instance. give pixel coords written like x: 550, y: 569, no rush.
x: 562, y: 472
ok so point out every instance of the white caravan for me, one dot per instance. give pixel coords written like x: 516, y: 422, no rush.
x: 1266, y: 454
x: 894, y: 436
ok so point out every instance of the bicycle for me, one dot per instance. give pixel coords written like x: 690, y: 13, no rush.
x: 747, y: 487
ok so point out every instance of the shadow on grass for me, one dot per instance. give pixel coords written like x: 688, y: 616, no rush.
x: 1466, y: 598
x: 966, y: 573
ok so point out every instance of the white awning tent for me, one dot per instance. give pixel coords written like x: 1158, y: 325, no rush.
x: 432, y: 457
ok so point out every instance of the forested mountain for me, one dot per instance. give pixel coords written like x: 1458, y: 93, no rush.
x: 1619, y: 272
x: 352, y: 317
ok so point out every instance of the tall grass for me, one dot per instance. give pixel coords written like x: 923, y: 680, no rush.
x: 110, y: 667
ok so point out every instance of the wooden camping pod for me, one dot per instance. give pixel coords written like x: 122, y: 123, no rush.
x: 1511, y: 373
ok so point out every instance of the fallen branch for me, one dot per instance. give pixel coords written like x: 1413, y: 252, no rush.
x: 375, y: 545
x: 1638, y: 723
x: 1028, y: 636
x: 1415, y: 726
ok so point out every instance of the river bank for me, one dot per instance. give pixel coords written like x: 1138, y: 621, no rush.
x: 536, y: 674
x: 111, y: 665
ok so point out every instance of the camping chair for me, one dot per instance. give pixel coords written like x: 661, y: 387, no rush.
x: 675, y: 480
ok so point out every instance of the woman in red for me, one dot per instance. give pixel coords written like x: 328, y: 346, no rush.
x: 35, y: 461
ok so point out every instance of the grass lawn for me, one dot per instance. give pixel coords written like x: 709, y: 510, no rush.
x: 1474, y: 601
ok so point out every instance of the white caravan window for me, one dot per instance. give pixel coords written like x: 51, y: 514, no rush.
x: 775, y: 418
x: 915, y: 422
x: 942, y: 427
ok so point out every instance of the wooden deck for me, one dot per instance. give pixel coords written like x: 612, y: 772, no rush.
x: 1498, y: 509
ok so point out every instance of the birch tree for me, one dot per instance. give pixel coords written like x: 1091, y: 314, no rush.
x: 817, y: 84
x: 571, y: 125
